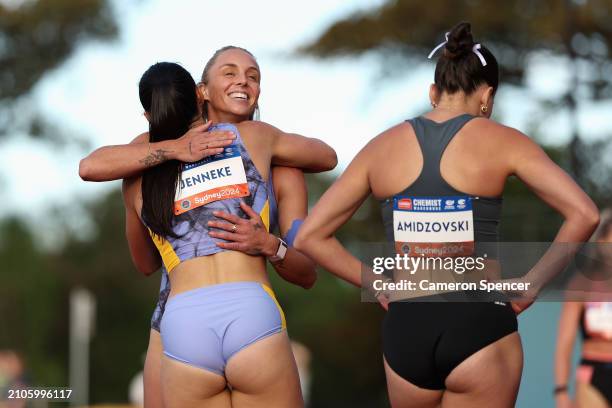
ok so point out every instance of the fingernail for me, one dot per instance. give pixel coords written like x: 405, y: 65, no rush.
x: 216, y: 213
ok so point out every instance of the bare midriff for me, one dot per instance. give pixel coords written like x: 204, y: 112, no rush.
x: 222, y: 267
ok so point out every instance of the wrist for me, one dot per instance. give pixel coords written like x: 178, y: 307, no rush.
x: 167, y: 146
x: 383, y: 292
x: 280, y: 253
x: 560, y: 390
x: 271, y: 246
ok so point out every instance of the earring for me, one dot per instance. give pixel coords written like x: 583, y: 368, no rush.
x: 434, y: 105
x: 484, y: 108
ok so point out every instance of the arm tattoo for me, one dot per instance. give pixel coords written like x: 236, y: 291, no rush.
x: 155, y: 158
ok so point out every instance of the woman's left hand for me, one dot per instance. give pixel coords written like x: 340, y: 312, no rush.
x: 520, y: 300
x: 248, y: 236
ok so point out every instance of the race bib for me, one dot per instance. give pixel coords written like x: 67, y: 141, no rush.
x: 598, y: 319
x: 433, y: 226
x: 211, y: 179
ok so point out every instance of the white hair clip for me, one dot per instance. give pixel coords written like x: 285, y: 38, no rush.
x: 475, y: 49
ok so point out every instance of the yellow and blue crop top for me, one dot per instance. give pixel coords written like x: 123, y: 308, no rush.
x: 191, y: 226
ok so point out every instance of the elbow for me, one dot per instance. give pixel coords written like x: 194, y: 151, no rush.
x: 584, y: 216
x: 301, y: 241
x: 146, y: 270
x: 305, y: 239
x: 331, y: 160
x: 310, y: 280
x: 149, y: 271
x: 594, y: 218
x: 85, y: 170
x: 145, y: 266
x: 589, y: 216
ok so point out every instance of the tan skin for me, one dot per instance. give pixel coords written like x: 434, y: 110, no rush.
x: 290, y: 191
x: 391, y: 162
x: 587, y: 396
x: 183, y: 385
x: 234, y: 71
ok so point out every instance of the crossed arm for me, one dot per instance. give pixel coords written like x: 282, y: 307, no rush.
x: 122, y: 161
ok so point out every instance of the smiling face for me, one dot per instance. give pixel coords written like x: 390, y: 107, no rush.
x: 230, y: 86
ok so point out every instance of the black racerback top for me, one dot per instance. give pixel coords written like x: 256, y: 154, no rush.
x: 433, y: 138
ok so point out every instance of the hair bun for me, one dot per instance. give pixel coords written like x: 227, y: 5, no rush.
x: 460, y: 41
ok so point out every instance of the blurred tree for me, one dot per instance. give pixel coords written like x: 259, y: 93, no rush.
x: 125, y: 299
x: 30, y: 298
x: 35, y: 38
x: 578, y: 31
x: 34, y: 297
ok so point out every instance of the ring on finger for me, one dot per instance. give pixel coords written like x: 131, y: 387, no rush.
x: 234, y: 227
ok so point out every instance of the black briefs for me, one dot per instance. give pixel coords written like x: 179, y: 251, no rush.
x: 424, y: 342
x: 600, y: 376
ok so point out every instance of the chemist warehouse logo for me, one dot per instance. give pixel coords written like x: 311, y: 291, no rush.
x: 404, y: 204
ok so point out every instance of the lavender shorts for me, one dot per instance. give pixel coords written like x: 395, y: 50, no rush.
x: 205, y: 327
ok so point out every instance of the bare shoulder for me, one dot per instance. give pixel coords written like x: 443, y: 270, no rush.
x: 501, y: 139
x: 390, y: 139
x: 497, y: 132
x: 258, y: 135
x: 258, y: 127
x: 394, y: 132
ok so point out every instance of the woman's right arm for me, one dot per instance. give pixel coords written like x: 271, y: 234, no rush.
x: 290, y: 149
x: 123, y: 161
x: 337, y: 205
x: 309, y: 154
x: 568, y: 328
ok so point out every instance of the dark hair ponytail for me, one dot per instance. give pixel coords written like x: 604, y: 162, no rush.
x: 168, y: 94
x: 459, y: 68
